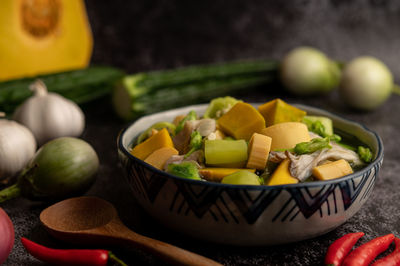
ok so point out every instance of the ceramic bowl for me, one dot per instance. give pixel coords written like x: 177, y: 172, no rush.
x: 248, y: 215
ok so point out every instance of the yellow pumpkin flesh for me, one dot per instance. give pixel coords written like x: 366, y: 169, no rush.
x: 43, y: 36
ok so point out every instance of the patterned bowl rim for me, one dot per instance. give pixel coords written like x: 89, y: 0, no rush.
x: 366, y: 169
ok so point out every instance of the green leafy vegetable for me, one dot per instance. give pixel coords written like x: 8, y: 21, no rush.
x: 312, y: 146
x: 319, y: 128
x: 190, y: 116
x: 365, y: 154
x: 185, y: 169
x: 195, y: 143
x: 335, y: 138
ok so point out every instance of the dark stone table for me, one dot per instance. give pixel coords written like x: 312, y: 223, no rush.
x: 143, y: 35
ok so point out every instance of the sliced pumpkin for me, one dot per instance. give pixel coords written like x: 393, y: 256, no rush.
x: 259, y: 147
x: 286, y: 135
x: 332, y: 170
x: 43, y: 36
x: 159, y: 140
x: 241, y: 121
x: 217, y: 174
x: 278, y: 111
x: 159, y: 157
x: 281, y: 175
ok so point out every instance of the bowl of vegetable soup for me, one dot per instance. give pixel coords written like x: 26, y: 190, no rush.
x: 246, y: 174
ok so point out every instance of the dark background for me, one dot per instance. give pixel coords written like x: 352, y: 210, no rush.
x: 140, y: 35
x: 145, y: 35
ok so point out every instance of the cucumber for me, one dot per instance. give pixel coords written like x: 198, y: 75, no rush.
x: 168, y: 78
x: 80, y: 86
x: 242, y: 177
x: 145, y: 93
x: 225, y: 152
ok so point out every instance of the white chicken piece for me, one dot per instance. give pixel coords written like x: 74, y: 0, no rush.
x: 301, y: 165
x: 196, y: 157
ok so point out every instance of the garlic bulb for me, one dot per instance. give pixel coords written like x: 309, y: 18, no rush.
x: 17, y: 147
x: 49, y: 115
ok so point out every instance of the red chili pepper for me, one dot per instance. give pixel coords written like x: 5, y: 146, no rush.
x: 393, y: 259
x: 364, y: 254
x: 95, y: 257
x: 338, y: 250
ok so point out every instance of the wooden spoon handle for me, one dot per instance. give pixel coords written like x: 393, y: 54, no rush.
x: 168, y: 253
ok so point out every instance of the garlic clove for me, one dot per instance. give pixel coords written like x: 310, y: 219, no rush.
x: 49, y: 115
x: 17, y: 147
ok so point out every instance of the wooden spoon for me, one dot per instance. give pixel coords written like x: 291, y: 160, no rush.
x: 91, y: 220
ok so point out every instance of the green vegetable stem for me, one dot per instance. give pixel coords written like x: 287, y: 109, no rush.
x: 196, y: 142
x: 312, y: 146
x: 62, y: 167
